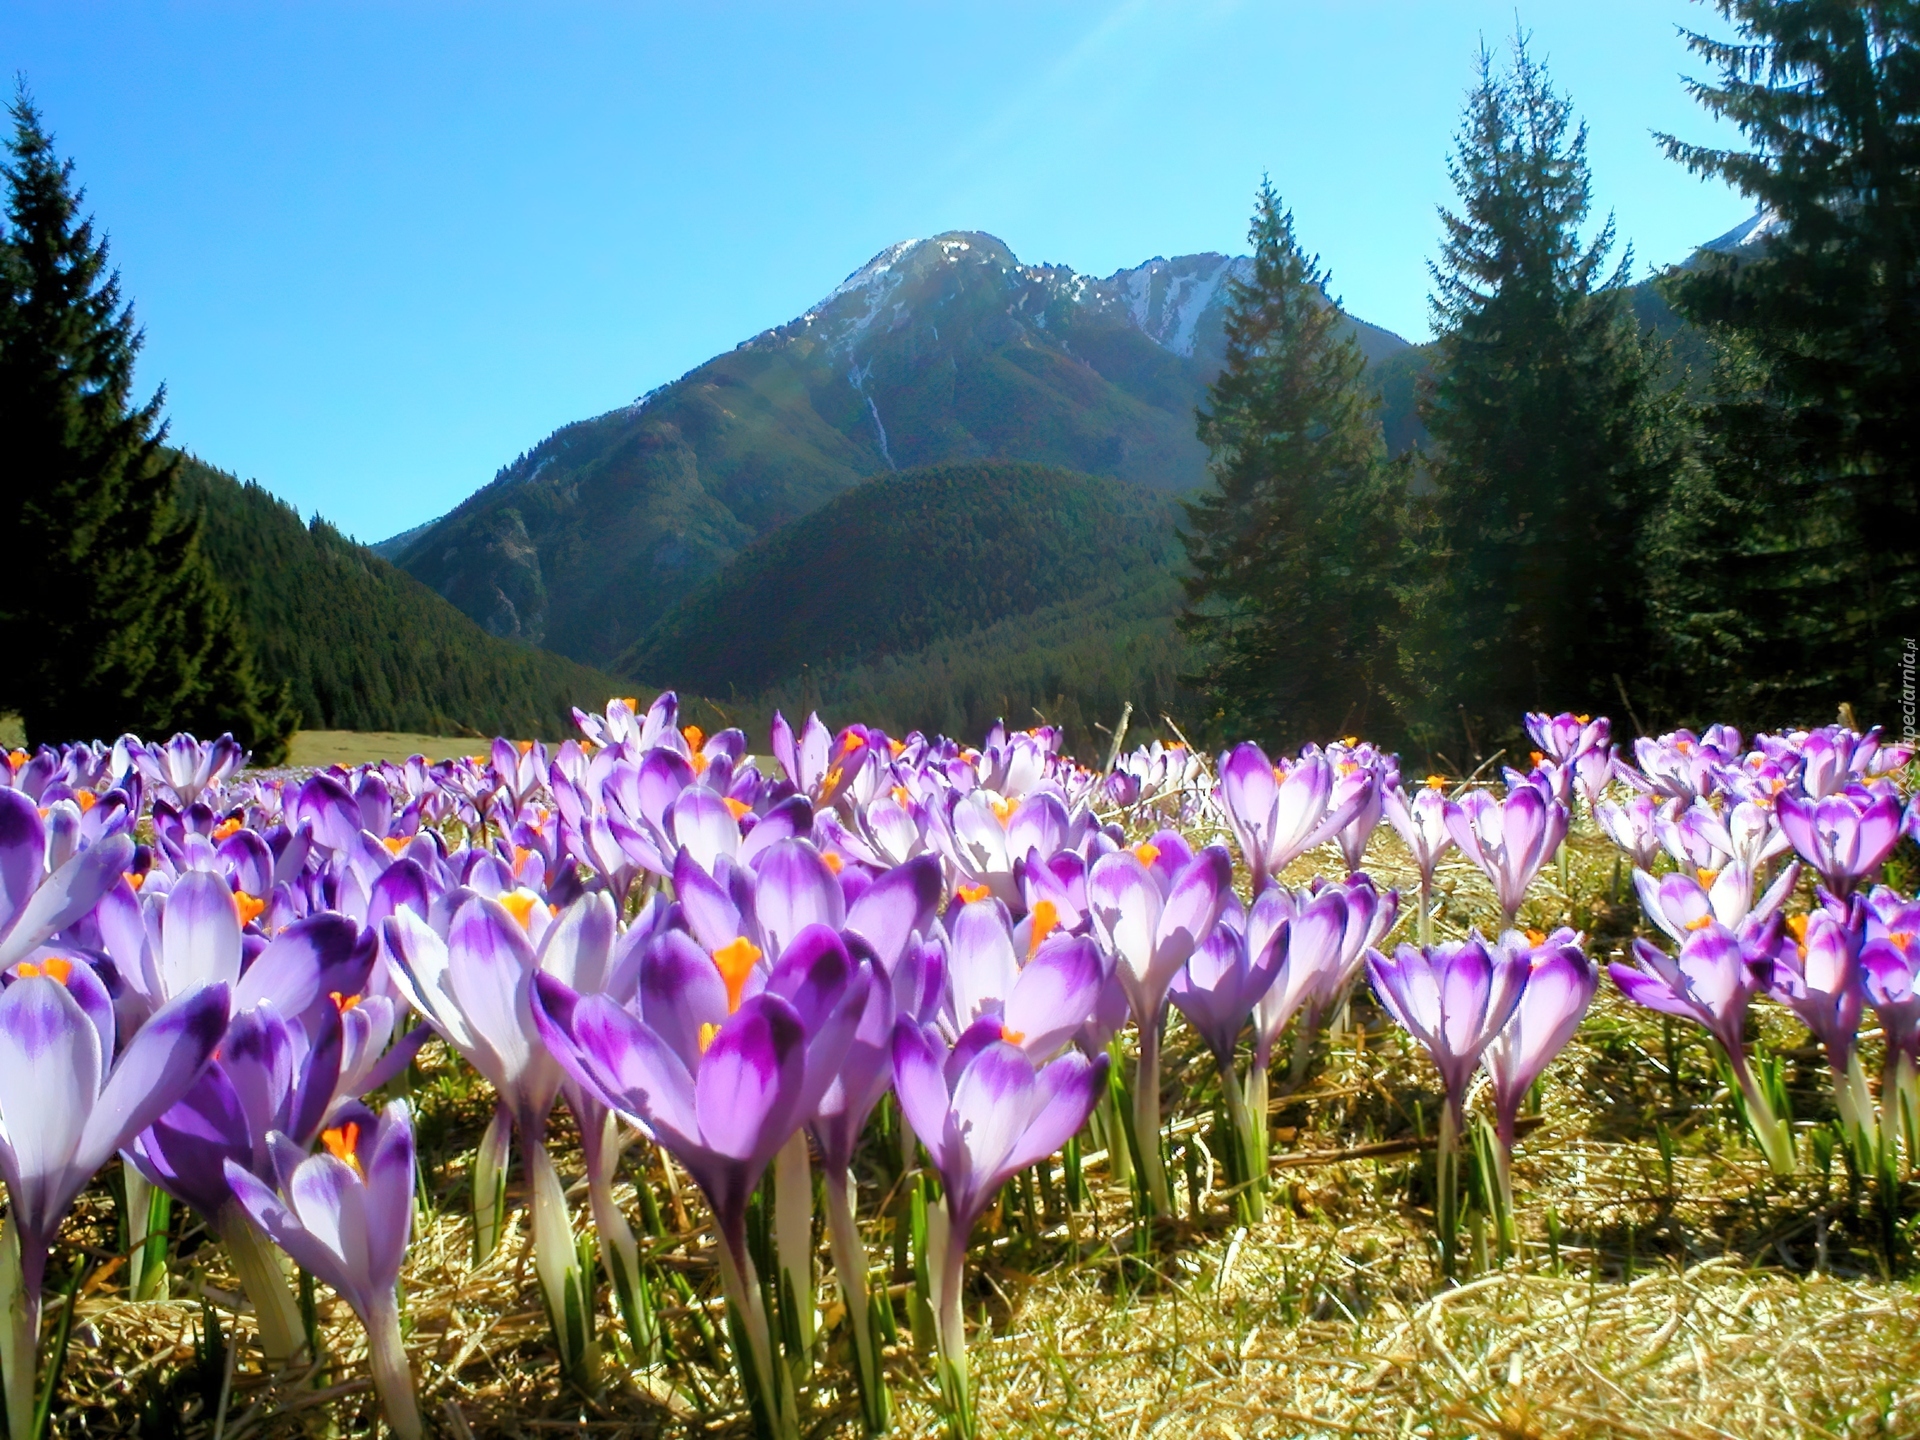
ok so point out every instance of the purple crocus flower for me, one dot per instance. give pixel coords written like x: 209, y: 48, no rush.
x: 1279, y: 814
x: 1560, y: 986
x: 35, y: 905
x: 985, y: 1112
x: 345, y: 1214
x: 1712, y: 981
x: 1454, y: 999
x: 1151, y: 907
x: 1890, y: 975
x: 1509, y: 839
x: 1633, y: 826
x: 185, y: 767
x: 67, y: 1103
x: 721, y: 1078
x: 1817, y: 975
x: 1845, y: 836
x: 1421, y: 822
x: 1217, y: 992
x: 1680, y: 903
x: 1041, y: 1002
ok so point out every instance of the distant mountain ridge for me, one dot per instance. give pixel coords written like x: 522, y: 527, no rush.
x: 938, y: 350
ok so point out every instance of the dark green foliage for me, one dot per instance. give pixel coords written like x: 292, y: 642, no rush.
x: 1811, y: 485
x: 1074, y: 665
x: 115, y: 622
x: 362, y: 645
x: 1552, y: 437
x: 901, y: 562
x: 1292, y: 545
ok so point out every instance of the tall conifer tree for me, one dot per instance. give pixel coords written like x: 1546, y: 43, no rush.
x: 1551, y: 435
x: 1813, y: 459
x: 114, y: 619
x: 1293, y: 543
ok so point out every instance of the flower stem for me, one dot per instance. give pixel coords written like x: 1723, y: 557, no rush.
x: 490, y: 1184
x: 1247, y: 1143
x: 850, y: 1268
x: 276, y: 1313
x: 19, y: 1332
x: 556, y: 1261
x: 793, y: 1245
x: 1446, y: 1196
x: 761, y: 1378
x: 947, y: 1237
x: 619, y: 1251
x: 1146, y: 1118
x: 392, y: 1377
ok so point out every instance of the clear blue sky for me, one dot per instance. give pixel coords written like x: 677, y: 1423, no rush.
x: 380, y: 249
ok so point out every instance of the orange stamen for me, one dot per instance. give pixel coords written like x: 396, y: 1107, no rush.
x: 526, y: 747
x: 694, y: 736
x: 1046, y: 919
x: 1797, y: 927
x: 699, y: 762
x: 86, y: 800
x: 738, y: 809
x: 136, y: 878
x: 229, y: 826
x: 1536, y: 937
x: 969, y: 893
x: 1146, y: 852
x: 1701, y: 923
x: 54, y: 968
x: 897, y: 748
x: 735, y: 961
x: 1535, y: 756
x: 707, y: 1031
x: 519, y: 904
x: 1012, y: 1037
x: 396, y: 843
x: 1706, y: 878
x: 341, y: 1002
x: 521, y: 854
x: 833, y: 860
x: 900, y: 796
x: 1002, y: 808
x: 343, y: 1143
x: 1436, y: 782
x: 632, y: 702
x: 247, y: 908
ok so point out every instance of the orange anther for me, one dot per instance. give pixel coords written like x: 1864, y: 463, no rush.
x: 343, y: 1002
x: 693, y: 735
x: 707, y: 1031
x: 86, y: 800
x: 229, y: 826
x: 343, y: 1143
x: 900, y: 796
x: 1046, y: 919
x: 967, y: 894
x: 396, y: 843
x: 136, y: 878
x: 1002, y: 808
x: 738, y: 809
x: 1701, y: 923
x: 833, y: 860
x: 519, y: 904
x: 1706, y: 878
x: 1146, y: 852
x: 699, y: 762
x: 1012, y: 1037
x: 1536, y: 937
x: 1436, y: 782
x: 1535, y: 756
x: 735, y: 961
x: 897, y: 748
x: 247, y: 907
x: 54, y: 968
x: 526, y: 747
x: 632, y: 703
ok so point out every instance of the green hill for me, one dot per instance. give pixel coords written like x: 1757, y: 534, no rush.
x: 941, y: 598
x: 363, y: 645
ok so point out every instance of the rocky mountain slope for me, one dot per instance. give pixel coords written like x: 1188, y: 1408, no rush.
x: 938, y: 350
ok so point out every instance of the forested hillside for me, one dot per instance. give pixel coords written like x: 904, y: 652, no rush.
x: 362, y: 645
x: 941, y: 598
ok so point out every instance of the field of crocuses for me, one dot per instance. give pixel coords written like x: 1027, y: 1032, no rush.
x: 782, y: 1084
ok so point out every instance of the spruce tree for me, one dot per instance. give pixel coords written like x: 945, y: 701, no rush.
x: 114, y: 619
x: 1292, y: 544
x: 1551, y: 436
x: 1813, y: 458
